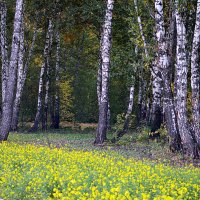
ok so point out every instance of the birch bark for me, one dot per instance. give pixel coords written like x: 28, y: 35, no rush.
x: 128, y: 113
x: 4, y: 49
x: 40, y: 88
x: 19, y: 79
x: 164, y: 65
x: 57, y: 95
x: 11, y: 80
x: 182, y: 70
x: 105, y: 56
x: 195, y: 77
x: 46, y: 99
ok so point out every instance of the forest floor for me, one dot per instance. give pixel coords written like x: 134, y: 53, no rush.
x: 133, y: 145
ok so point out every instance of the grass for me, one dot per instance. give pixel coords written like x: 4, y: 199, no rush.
x: 133, y: 145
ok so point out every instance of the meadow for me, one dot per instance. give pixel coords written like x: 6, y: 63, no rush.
x: 69, y: 166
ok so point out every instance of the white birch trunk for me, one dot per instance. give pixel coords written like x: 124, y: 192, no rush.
x: 156, y: 113
x: 164, y: 65
x: 40, y: 88
x: 46, y: 99
x: 128, y: 113
x: 182, y: 70
x: 4, y: 49
x: 57, y: 95
x: 195, y: 77
x: 8, y: 103
x: 21, y: 76
x: 105, y: 56
x: 141, y: 29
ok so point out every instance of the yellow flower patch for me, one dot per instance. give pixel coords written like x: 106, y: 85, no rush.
x: 32, y: 172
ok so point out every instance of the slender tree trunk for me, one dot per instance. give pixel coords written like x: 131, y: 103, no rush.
x: 142, y: 86
x: 46, y: 99
x: 108, y: 116
x: 195, y: 77
x: 99, y: 82
x: 8, y: 103
x: 21, y: 77
x: 40, y: 89
x: 141, y: 29
x: 182, y: 69
x: 105, y: 56
x: 57, y: 96
x: 19, y: 80
x: 164, y: 64
x: 155, y: 113
x: 128, y: 114
x: 4, y: 49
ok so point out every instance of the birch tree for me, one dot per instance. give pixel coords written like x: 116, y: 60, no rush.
x: 99, y: 82
x: 8, y: 103
x: 4, y: 49
x: 57, y: 95
x: 128, y: 113
x: 21, y: 75
x: 182, y: 70
x: 42, y: 71
x: 105, y: 67
x: 164, y: 65
x: 195, y: 77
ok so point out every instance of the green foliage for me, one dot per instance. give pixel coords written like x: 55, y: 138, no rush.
x: 66, y: 100
x: 120, y: 122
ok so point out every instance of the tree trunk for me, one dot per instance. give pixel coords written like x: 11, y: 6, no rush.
x: 57, y: 96
x: 99, y: 83
x: 21, y: 77
x: 8, y: 103
x: 141, y: 29
x: 4, y: 49
x: 15, y: 113
x: 195, y: 79
x: 105, y: 56
x: 128, y: 114
x: 141, y: 103
x: 108, y: 116
x: 46, y: 99
x: 164, y: 65
x: 40, y: 89
x: 156, y: 111
x: 182, y: 69
x: 156, y: 114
